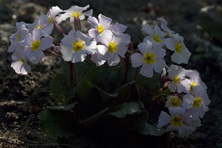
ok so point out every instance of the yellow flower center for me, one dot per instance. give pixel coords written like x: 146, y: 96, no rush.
x: 176, y: 79
x: 35, y: 45
x: 174, y: 102
x: 18, y: 37
x: 77, y: 46
x: 193, y: 84
x: 50, y: 20
x: 156, y: 38
x: 100, y: 29
x: 22, y: 60
x: 112, y: 47
x: 149, y: 58
x: 76, y: 14
x: 178, y: 47
x: 168, y: 34
x: 39, y: 26
x: 176, y: 121
x: 196, y: 102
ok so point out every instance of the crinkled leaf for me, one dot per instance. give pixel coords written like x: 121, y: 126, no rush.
x: 64, y: 108
x: 57, y: 123
x: 148, y: 129
x: 62, y: 91
x: 125, y: 109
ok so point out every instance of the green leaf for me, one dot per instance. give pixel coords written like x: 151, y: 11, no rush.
x: 93, y: 74
x: 91, y: 121
x: 145, y: 128
x: 148, y: 129
x: 64, y: 108
x: 125, y: 109
x: 84, y: 90
x: 126, y: 91
x: 58, y: 123
x: 149, y: 83
x: 61, y: 89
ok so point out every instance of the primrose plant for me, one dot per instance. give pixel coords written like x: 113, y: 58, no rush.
x: 100, y: 80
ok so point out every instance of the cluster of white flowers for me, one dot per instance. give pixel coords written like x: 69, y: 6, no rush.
x: 106, y: 42
x: 188, y: 103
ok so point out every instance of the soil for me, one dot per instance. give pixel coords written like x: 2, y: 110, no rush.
x: 23, y: 97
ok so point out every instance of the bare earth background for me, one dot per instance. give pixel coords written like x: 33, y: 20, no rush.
x: 23, y: 97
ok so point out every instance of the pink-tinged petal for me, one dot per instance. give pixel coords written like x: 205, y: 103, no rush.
x: 172, y: 71
x: 81, y: 17
x: 36, y: 56
x: 188, y: 101
x: 121, y: 49
x: 92, y: 21
x: 158, y: 51
x: 82, y: 36
x: 54, y: 11
x: 104, y: 21
x: 158, y: 31
x: 205, y: 98
x: 185, y: 131
x: 102, y: 49
x: 93, y: 33
x: 127, y: 38
x: 147, y: 29
x: 70, y: 38
x: 96, y: 60
x: 63, y: 17
x: 46, y: 42
x: 66, y: 52
x: 145, y: 47
x: 78, y: 57
x: 163, y: 120
x: 119, y: 27
x: 182, y: 57
x: 88, y: 13
x: 113, y: 60
x: 159, y: 65
x: 202, y: 110
x: 170, y: 128
x: 172, y: 87
x: 25, y: 68
x: 170, y: 44
x: 47, y: 29
x: 105, y: 37
x: 176, y: 111
x: 90, y: 47
x: 136, y: 59
x: 146, y: 71
x: 37, y: 34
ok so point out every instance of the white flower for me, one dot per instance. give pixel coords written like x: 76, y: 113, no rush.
x: 98, y: 26
x: 19, y: 36
x: 19, y: 63
x: 176, y: 121
x: 95, y: 58
x: 164, y: 26
x: 151, y: 58
x: 36, y: 45
x: 155, y: 36
x: 181, y: 53
x: 53, y: 14
x: 194, y: 83
x: 114, y: 45
x: 75, y: 12
x: 176, y: 74
x: 41, y: 23
x: 173, y: 101
x: 196, y: 103
x: 76, y: 45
